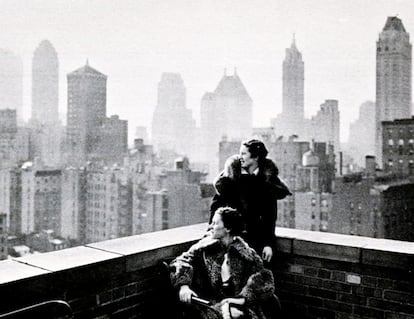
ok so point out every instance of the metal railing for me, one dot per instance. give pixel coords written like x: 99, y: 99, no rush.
x: 48, y: 309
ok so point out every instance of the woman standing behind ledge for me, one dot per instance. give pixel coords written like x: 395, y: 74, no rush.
x: 250, y: 183
x: 225, y: 270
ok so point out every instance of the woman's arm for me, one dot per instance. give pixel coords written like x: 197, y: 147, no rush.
x: 274, y: 184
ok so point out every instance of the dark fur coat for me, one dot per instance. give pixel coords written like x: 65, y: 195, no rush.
x: 254, y: 196
x: 200, y: 268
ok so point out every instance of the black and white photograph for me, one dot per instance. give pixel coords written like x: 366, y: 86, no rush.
x: 206, y: 159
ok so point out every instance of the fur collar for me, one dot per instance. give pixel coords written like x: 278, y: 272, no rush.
x: 237, y: 247
x: 240, y: 247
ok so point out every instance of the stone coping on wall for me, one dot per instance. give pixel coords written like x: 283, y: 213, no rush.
x: 354, y: 249
x: 145, y: 250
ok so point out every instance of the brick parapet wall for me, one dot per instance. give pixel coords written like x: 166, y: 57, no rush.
x: 322, y: 275
x: 318, y: 275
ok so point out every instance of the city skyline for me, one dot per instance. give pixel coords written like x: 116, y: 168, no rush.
x: 135, y: 42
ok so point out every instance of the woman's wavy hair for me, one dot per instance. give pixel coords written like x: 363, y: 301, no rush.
x: 232, y: 220
x: 256, y: 148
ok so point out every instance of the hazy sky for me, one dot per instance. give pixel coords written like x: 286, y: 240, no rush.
x: 133, y: 42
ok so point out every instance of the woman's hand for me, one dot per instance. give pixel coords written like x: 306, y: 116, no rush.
x: 267, y: 253
x: 228, y: 311
x: 228, y: 169
x: 185, y: 294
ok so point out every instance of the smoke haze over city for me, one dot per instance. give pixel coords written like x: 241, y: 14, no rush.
x: 134, y: 42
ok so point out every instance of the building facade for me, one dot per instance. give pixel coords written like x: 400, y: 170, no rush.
x: 86, y: 111
x: 73, y: 204
x: 325, y: 124
x: 112, y: 144
x: 41, y: 199
x: 393, y: 76
x: 11, y: 82
x: 177, y: 200
x: 108, y: 212
x: 3, y: 236
x: 8, y: 138
x: 361, y: 141
x: 173, y: 126
x: 11, y: 199
x: 398, y: 146
x: 226, y: 112
x: 374, y: 206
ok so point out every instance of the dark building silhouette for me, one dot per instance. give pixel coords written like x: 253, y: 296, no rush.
x: 398, y: 146
x: 393, y: 76
x: 368, y: 204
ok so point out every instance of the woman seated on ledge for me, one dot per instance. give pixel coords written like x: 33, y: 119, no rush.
x: 225, y: 270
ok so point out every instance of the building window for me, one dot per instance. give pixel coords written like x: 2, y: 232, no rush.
x: 411, y: 167
x: 401, y: 142
x: 165, y: 202
x: 390, y: 142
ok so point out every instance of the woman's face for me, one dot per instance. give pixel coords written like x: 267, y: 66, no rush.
x: 219, y: 231
x: 246, y: 158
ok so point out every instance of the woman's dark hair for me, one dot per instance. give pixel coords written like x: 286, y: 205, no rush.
x: 256, y: 149
x: 232, y: 220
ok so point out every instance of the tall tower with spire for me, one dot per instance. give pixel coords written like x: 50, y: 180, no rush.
x: 292, y: 121
x: 45, y: 83
x: 293, y: 83
x: 393, y: 76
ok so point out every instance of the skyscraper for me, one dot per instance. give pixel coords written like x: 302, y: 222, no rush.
x: 11, y: 82
x: 291, y: 120
x: 46, y: 131
x: 325, y: 125
x: 86, y: 110
x: 45, y: 83
x: 173, y: 127
x: 293, y: 83
x: 226, y: 112
x: 393, y: 76
x: 364, y: 126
